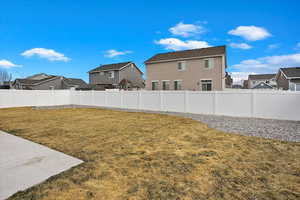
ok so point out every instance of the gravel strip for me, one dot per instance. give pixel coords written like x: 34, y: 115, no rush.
x: 284, y: 130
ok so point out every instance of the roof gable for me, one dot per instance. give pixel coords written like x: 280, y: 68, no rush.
x: 291, y: 72
x: 187, y: 54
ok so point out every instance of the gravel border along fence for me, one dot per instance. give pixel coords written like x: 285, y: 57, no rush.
x: 284, y: 130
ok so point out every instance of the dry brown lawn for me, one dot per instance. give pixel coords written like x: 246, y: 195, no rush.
x: 150, y: 156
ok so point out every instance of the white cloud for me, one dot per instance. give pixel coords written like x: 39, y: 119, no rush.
x: 268, y: 64
x: 240, y: 45
x: 251, y: 33
x: 177, y: 44
x: 187, y: 30
x: 8, y: 64
x: 49, y: 54
x: 239, y: 77
x: 273, y: 46
x: 113, y: 53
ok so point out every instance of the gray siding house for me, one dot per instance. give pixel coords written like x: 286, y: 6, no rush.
x: 288, y: 79
x: 261, y: 81
x: 125, y: 75
x: 48, y: 82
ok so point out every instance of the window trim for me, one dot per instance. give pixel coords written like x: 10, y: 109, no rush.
x: 155, y: 81
x: 206, y: 80
x: 210, y: 63
x: 183, y: 65
x: 177, y: 85
x: 163, y: 84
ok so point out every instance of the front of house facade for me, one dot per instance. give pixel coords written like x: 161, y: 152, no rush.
x: 197, y: 69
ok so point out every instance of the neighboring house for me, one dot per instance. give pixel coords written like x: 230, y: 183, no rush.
x: 237, y: 86
x: 262, y: 81
x: 228, y: 80
x: 5, y: 85
x: 196, y: 69
x: 125, y: 75
x: 48, y: 82
x: 245, y: 84
x: 288, y: 78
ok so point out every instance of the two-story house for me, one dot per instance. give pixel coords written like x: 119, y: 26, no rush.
x: 262, y: 81
x: 123, y: 75
x: 196, y: 69
x: 288, y: 78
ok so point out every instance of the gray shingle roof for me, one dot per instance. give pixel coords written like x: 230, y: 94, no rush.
x: 187, y: 54
x: 75, y: 81
x: 261, y: 76
x: 33, y: 81
x: 114, y: 66
x: 291, y: 71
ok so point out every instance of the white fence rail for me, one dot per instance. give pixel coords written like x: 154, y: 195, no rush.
x: 264, y: 104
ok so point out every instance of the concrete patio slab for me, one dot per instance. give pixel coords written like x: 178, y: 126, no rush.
x: 24, y: 164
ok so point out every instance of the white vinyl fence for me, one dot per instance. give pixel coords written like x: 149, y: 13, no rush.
x: 261, y: 104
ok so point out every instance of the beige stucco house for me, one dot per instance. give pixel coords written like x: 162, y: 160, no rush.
x: 196, y: 69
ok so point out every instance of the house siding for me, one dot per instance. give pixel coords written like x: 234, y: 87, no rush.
x: 96, y: 78
x: 190, y: 77
x: 56, y: 83
x: 282, y: 82
x: 132, y: 74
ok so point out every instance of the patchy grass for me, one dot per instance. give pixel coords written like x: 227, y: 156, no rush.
x: 150, y: 156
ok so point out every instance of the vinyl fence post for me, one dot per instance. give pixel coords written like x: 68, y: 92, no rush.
x: 186, y: 101
x: 122, y: 99
x: 105, y: 98
x: 139, y: 100
x: 215, y: 102
x: 253, y: 103
x: 161, y: 101
x: 93, y: 98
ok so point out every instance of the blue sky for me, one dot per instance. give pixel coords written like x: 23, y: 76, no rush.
x: 71, y: 37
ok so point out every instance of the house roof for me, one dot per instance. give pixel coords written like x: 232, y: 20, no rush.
x: 114, y: 66
x: 262, y: 85
x: 27, y: 81
x: 291, y: 72
x: 261, y: 76
x: 75, y: 81
x: 160, y: 57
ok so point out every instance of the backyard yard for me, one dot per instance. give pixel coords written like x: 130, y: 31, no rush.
x: 130, y: 155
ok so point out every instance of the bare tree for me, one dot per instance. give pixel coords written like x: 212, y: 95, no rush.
x: 4, y: 76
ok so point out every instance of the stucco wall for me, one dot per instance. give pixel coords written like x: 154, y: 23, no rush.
x: 282, y: 82
x: 190, y: 78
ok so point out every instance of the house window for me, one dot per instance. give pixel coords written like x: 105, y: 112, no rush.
x: 181, y: 65
x: 209, y: 63
x: 154, y: 85
x: 177, y: 85
x: 206, y: 85
x: 111, y: 74
x: 166, y: 85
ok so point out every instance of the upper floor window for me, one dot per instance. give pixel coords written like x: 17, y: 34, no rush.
x: 154, y: 85
x: 209, y: 63
x: 181, y: 65
x: 177, y: 85
x: 111, y: 74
